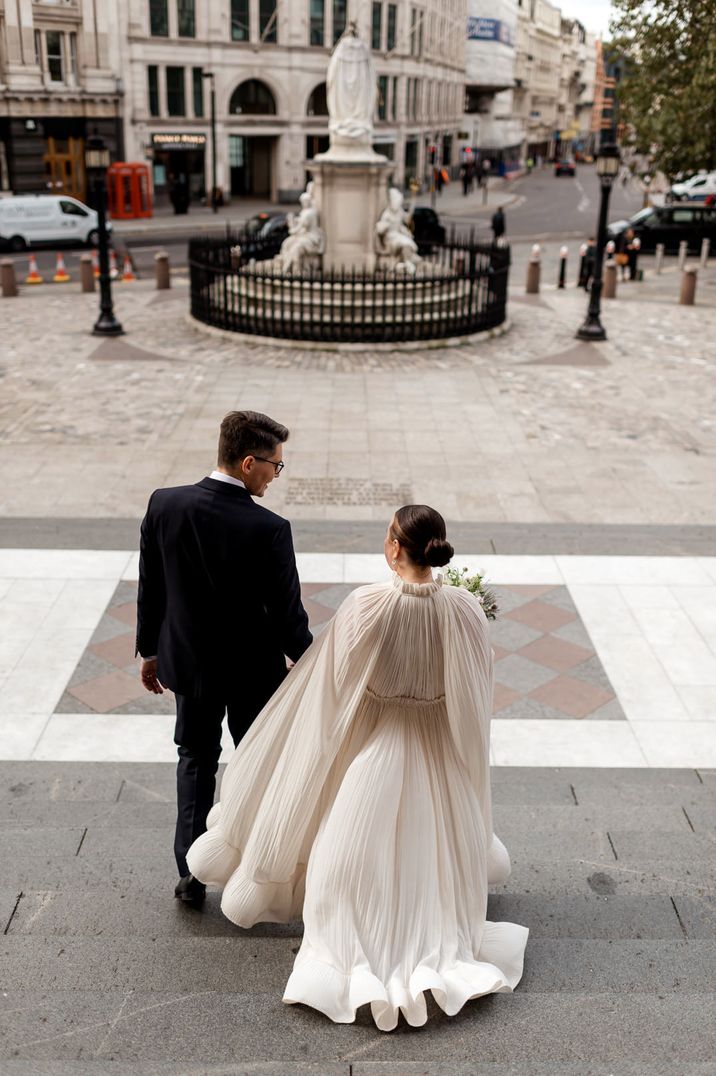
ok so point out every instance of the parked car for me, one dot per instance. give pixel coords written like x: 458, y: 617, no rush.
x: 31, y: 219
x: 695, y: 189
x: 263, y: 235
x: 670, y: 225
x: 565, y: 167
x: 427, y: 229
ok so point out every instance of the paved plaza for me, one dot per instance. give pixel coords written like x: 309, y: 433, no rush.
x: 579, y: 477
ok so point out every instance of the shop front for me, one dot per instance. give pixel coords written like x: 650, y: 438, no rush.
x: 178, y: 168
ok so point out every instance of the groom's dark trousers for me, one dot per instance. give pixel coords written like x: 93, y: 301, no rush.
x: 219, y: 604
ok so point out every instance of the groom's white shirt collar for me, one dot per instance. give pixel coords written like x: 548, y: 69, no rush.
x: 221, y: 477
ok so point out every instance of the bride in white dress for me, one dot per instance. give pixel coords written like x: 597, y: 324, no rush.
x: 360, y: 800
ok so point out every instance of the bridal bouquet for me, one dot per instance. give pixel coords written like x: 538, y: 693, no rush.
x: 458, y: 577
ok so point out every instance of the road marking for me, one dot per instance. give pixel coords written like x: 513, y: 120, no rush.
x: 584, y: 202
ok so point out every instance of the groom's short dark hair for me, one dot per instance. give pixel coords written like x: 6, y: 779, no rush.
x: 246, y: 433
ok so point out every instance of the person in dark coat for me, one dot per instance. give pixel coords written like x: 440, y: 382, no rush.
x: 218, y: 610
x: 498, y: 224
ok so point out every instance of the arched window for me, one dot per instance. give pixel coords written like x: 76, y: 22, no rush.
x: 252, y: 98
x: 317, y: 103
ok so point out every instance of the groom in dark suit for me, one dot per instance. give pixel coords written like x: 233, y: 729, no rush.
x: 218, y: 608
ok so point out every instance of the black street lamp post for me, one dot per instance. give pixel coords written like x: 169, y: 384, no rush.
x: 97, y: 163
x: 607, y: 169
x: 212, y: 121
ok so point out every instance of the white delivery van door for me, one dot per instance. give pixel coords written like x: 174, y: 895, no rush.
x: 73, y: 220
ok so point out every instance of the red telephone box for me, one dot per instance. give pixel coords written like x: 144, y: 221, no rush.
x: 129, y: 193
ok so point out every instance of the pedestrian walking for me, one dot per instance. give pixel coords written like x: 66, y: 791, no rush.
x: 498, y: 225
x: 588, y: 264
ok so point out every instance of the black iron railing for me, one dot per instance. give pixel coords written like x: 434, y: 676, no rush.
x: 460, y: 288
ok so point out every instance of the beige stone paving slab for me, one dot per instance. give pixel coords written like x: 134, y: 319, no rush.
x: 633, y: 441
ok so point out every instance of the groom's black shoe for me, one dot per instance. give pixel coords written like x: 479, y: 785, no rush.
x: 190, y: 891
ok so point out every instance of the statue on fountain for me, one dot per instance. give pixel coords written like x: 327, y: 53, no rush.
x: 306, y: 240
x: 393, y: 237
x: 351, y: 90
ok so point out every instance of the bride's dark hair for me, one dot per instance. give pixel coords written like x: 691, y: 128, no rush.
x: 421, y: 532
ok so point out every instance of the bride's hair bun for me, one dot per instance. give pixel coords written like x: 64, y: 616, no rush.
x: 421, y: 532
x: 438, y: 552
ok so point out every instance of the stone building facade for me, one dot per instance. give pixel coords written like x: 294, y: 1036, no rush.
x: 268, y: 59
x: 59, y: 82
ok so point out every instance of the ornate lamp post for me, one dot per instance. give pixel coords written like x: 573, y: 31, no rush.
x: 607, y: 170
x: 212, y: 121
x: 97, y: 163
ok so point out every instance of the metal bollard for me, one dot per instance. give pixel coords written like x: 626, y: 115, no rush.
x: 161, y: 270
x: 563, y: 253
x: 610, y: 248
x: 658, y: 257
x: 533, y: 271
x: 688, y: 286
x: 683, y: 251
x: 87, y: 272
x: 9, y: 283
x: 610, y: 279
x: 705, y: 249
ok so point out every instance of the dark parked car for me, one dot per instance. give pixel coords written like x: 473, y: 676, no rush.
x: 565, y: 167
x: 670, y: 225
x: 427, y: 229
x: 263, y: 235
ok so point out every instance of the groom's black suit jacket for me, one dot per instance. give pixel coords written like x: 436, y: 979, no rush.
x: 219, y: 599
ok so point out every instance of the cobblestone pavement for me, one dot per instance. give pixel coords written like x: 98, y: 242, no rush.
x: 531, y: 426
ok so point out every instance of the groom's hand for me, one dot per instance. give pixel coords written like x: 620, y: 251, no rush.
x: 148, y: 673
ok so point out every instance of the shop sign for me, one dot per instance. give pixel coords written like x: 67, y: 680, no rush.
x: 479, y: 29
x: 177, y: 140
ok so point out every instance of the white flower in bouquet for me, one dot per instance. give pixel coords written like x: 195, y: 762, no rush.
x: 458, y: 577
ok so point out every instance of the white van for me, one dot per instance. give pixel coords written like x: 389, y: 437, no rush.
x: 693, y: 190
x: 28, y: 219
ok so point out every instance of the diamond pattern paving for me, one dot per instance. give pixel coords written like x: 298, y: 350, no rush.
x: 545, y: 664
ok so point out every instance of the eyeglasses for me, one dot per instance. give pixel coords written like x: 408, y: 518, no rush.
x: 277, y: 467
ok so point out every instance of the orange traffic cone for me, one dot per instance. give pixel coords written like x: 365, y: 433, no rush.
x: 33, y: 275
x: 127, y: 273
x: 113, y: 270
x: 95, y: 264
x: 61, y: 275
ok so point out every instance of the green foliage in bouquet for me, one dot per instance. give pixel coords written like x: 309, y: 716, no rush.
x: 458, y: 577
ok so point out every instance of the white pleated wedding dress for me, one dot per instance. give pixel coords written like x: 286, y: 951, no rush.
x: 360, y: 799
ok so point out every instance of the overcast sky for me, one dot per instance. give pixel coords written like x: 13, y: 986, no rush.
x: 594, y: 14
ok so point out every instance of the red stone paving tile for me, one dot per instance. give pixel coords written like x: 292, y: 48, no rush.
x: 309, y: 589
x: 555, y: 653
x: 317, y: 613
x: 500, y: 652
x: 503, y: 696
x: 573, y: 697
x: 104, y: 693
x: 541, y: 616
x: 127, y: 613
x: 119, y: 650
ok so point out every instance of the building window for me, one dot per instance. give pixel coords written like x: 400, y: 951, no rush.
x: 316, y: 23
x: 413, y: 31
x: 376, y: 24
x: 186, y: 18
x: 175, y: 91
x: 339, y: 18
x: 239, y: 20
x: 392, y: 26
x: 382, y: 97
x: 317, y: 102
x: 197, y: 86
x: 73, y: 56
x: 252, y: 98
x: 268, y: 16
x: 153, y: 89
x: 53, y: 40
x: 158, y: 18
x: 38, y: 49
x: 394, y: 98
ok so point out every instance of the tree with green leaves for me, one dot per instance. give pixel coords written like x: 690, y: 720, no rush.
x: 667, y: 96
